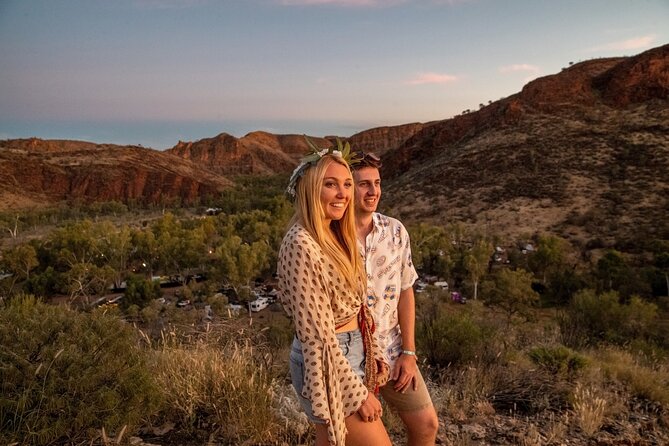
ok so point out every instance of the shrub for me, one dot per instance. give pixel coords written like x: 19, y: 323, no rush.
x: 525, y: 391
x: 649, y: 382
x: 280, y: 333
x: 66, y: 374
x: 451, y: 338
x: 591, y: 318
x: 140, y: 292
x: 225, y: 388
x: 558, y: 360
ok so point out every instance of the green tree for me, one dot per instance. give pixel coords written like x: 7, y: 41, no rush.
x: 476, y: 261
x: 593, y: 317
x: 431, y: 249
x: 115, y: 245
x: 74, y: 244
x: 145, y: 250
x: 46, y: 283
x: 179, y: 248
x: 238, y: 262
x: 10, y: 223
x: 85, y: 280
x: 611, y: 269
x: 78, y: 258
x: 140, y: 292
x: 511, y: 292
x: 19, y: 262
x: 550, y: 256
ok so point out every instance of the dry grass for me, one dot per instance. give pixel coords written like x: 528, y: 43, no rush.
x: 223, y: 386
x: 588, y: 409
x: 646, y: 380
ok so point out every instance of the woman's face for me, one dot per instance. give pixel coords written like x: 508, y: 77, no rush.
x: 336, y: 191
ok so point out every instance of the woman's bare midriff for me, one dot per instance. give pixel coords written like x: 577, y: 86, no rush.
x: 348, y: 326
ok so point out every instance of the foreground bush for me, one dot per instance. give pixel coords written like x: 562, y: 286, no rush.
x: 222, y: 386
x: 66, y: 375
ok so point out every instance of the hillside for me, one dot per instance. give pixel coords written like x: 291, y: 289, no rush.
x: 36, y: 172
x: 257, y: 153
x: 583, y: 153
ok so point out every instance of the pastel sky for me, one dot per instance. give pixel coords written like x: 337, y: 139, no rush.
x: 153, y: 72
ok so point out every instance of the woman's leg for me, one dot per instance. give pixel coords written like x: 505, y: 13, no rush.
x: 364, y: 433
x: 321, y: 435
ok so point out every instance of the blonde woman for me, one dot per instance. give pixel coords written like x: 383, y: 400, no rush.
x: 335, y: 364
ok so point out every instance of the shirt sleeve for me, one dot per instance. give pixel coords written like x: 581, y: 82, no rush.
x: 330, y: 384
x: 409, y: 274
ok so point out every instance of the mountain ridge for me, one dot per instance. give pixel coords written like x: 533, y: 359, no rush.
x: 582, y: 153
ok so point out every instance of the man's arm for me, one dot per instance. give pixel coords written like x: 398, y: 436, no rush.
x: 406, y: 368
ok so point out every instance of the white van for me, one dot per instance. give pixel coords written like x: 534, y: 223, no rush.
x: 259, y: 304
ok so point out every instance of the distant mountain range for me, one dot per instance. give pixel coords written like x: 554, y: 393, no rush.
x: 583, y: 153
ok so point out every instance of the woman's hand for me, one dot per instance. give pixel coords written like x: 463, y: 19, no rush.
x: 371, y: 409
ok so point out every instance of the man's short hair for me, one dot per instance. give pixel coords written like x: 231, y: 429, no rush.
x: 365, y: 159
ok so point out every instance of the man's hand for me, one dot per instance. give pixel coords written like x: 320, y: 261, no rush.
x: 404, y: 373
x: 371, y: 409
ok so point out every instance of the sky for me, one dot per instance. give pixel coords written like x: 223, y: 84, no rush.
x: 155, y: 72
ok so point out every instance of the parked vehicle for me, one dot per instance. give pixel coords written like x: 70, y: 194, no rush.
x: 259, y: 304
x: 459, y: 298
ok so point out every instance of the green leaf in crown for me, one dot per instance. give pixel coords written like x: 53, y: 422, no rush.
x: 341, y: 150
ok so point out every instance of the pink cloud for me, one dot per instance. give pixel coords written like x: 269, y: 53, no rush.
x: 432, y: 78
x: 168, y: 4
x: 635, y: 43
x: 355, y: 3
x: 523, y: 67
x: 364, y: 3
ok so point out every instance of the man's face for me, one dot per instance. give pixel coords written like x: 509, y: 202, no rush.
x: 367, y: 189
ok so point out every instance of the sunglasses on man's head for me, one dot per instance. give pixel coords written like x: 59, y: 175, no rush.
x: 369, y: 159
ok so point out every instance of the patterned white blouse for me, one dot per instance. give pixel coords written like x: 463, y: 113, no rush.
x: 318, y: 299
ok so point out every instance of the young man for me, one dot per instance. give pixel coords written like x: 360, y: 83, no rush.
x: 384, y: 244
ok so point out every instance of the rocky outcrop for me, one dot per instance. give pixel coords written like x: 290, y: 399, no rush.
x: 582, y: 154
x: 636, y: 79
x: 580, y: 89
x: 381, y: 140
x: 55, y: 171
x: 257, y: 153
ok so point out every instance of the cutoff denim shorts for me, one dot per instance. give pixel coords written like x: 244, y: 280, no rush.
x: 351, y: 345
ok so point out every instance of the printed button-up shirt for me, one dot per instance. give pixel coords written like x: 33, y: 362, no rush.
x: 387, y: 257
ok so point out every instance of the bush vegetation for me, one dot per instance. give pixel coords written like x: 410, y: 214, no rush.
x: 583, y: 336
x: 218, y: 380
x: 65, y: 374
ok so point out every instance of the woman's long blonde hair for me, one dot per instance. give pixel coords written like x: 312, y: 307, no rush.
x: 339, y: 242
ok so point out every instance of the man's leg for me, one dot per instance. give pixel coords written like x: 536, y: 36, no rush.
x: 416, y: 411
x: 421, y: 426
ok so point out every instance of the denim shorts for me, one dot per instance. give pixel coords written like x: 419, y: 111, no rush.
x: 351, y: 345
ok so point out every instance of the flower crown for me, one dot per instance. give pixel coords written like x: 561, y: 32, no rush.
x: 342, y: 151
